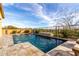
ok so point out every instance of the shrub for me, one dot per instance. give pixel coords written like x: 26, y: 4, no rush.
x: 77, y: 34
x: 18, y: 31
x: 13, y: 32
x: 26, y: 31
x: 36, y: 31
x: 69, y: 34
x: 64, y: 33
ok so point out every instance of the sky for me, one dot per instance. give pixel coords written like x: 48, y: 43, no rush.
x: 36, y: 15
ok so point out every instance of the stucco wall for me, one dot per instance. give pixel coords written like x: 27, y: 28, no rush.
x: 18, y: 31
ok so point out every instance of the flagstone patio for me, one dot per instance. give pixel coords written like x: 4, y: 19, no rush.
x: 64, y: 49
x: 22, y: 49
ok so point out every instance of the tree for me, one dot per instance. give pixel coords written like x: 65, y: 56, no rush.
x: 67, y: 19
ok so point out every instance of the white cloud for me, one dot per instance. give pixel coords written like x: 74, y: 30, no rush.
x: 7, y: 4
x: 40, y: 11
x: 37, y: 10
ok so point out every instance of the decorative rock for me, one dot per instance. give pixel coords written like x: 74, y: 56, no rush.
x: 76, y: 49
x: 77, y: 41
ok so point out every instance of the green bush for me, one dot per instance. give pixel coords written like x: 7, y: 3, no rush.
x: 65, y: 33
x: 13, y: 32
x: 68, y: 34
x: 18, y: 31
x: 36, y: 31
x: 77, y: 34
x: 26, y: 31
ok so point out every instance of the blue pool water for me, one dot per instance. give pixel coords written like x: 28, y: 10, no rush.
x: 44, y: 44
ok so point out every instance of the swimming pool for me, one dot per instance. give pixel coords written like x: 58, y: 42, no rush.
x: 44, y: 44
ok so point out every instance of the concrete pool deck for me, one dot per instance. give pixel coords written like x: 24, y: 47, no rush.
x: 27, y: 49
